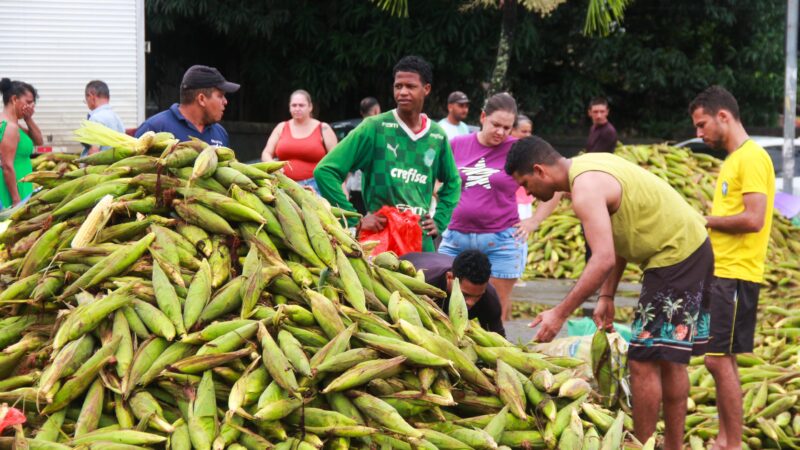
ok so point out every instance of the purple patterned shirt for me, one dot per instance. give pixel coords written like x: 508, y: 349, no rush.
x: 488, y: 195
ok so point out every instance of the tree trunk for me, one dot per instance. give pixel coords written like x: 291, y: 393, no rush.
x: 498, y: 82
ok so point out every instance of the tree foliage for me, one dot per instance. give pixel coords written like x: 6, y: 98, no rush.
x: 343, y: 50
x: 603, y: 16
x: 667, y: 52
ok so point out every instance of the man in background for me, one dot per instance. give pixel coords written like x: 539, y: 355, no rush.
x: 369, y: 106
x: 457, y: 110
x: 201, y: 107
x: 602, y: 135
x: 97, y: 96
x: 739, y: 228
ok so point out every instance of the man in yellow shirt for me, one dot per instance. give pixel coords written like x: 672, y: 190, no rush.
x: 631, y: 215
x: 739, y: 225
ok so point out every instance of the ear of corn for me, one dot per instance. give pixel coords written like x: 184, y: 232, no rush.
x: 457, y: 310
x: 42, y: 250
x: 206, y: 163
x: 97, y: 134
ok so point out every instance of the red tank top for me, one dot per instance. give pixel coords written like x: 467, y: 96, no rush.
x: 301, y: 155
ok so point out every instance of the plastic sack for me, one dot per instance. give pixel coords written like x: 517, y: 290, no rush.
x: 578, y: 347
x: 402, y: 233
x: 574, y: 347
x: 586, y: 327
x: 10, y: 417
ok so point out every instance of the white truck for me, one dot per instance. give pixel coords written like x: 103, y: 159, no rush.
x: 60, y: 45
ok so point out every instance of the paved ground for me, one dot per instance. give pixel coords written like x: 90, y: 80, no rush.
x: 550, y: 292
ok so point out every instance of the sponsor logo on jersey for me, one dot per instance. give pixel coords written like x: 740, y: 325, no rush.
x: 409, y: 176
x: 390, y: 125
x: 437, y: 136
x: 414, y: 209
x: 478, y: 175
x: 724, y: 188
x: 392, y: 149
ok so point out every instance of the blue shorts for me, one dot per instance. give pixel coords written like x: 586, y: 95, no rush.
x: 504, y: 251
x: 311, y: 183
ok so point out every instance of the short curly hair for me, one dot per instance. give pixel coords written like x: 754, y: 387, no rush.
x: 472, y: 265
x: 529, y: 151
x: 415, y: 64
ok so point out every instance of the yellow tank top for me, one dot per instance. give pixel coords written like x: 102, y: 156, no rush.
x: 653, y: 226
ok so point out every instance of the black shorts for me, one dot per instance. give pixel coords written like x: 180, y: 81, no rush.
x: 672, y: 320
x: 734, y: 304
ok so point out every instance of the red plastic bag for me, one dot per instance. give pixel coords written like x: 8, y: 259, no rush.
x: 402, y: 233
x: 10, y: 417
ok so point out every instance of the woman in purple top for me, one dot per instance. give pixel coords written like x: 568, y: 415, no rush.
x: 486, y: 217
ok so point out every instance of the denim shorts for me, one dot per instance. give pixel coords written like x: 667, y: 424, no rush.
x: 504, y: 251
x: 310, y: 182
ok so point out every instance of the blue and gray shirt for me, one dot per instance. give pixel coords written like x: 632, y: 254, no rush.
x: 171, y: 120
x: 106, y: 116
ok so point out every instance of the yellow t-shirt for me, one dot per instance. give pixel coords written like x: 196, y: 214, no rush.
x: 746, y: 170
x: 654, y: 226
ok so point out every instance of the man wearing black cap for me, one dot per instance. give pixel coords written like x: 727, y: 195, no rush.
x: 457, y: 110
x: 202, y: 104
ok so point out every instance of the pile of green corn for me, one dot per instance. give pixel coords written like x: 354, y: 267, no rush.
x: 770, y: 381
x: 165, y: 295
x: 55, y: 162
x: 557, y: 248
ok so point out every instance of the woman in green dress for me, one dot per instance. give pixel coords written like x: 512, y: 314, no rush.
x: 16, y: 142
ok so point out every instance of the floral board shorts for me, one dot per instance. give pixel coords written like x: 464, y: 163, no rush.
x: 672, y: 320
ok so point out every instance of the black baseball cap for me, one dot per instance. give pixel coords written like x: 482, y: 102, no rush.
x: 457, y: 97
x: 203, y: 77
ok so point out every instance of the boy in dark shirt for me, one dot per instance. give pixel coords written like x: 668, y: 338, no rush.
x: 472, y: 268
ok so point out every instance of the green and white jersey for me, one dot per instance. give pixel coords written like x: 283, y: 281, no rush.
x: 399, y: 168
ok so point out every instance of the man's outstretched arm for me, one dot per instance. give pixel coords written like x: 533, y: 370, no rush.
x: 591, y: 193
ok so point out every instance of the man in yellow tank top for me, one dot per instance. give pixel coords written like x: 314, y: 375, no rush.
x: 631, y: 215
x: 740, y: 222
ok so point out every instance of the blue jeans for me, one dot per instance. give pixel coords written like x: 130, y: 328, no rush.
x: 504, y: 251
x: 310, y: 182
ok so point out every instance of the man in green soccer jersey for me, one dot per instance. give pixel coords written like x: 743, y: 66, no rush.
x: 401, y: 154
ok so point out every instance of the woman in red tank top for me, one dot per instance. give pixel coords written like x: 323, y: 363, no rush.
x: 301, y: 141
